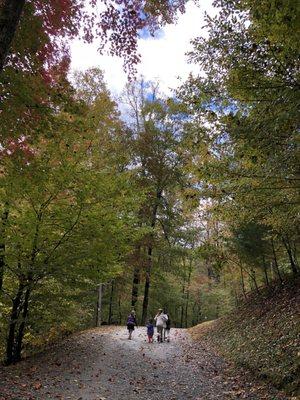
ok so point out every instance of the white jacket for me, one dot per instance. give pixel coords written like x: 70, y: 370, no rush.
x: 161, y: 320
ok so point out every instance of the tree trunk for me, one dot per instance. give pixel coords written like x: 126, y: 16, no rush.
x: 149, y: 259
x: 276, y: 262
x: 186, y: 308
x: 253, y: 278
x: 99, y: 305
x: 10, y: 14
x: 196, y: 313
x: 11, y: 338
x: 135, y: 286
x: 147, y: 287
x: 188, y: 293
x: 288, y: 248
x: 111, y: 301
x: 265, y: 270
x: 174, y: 313
x: 4, y: 220
x: 193, y: 313
x: 199, y: 313
x: 120, y: 311
x: 19, y: 339
x: 182, y: 306
x: 243, y: 282
x: 15, y: 341
x: 294, y: 250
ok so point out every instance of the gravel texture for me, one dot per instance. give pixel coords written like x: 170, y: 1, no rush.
x: 102, y: 364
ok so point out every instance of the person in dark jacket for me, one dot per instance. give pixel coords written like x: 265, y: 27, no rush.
x: 168, y: 328
x: 131, y: 323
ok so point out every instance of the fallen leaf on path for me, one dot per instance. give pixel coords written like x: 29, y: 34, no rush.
x: 37, y: 385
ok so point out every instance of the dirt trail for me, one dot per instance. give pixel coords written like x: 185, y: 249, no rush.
x: 102, y: 364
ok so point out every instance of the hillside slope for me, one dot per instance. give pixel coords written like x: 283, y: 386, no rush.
x: 263, y: 335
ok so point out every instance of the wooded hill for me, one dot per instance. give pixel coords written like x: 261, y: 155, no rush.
x: 189, y: 202
x: 261, y: 336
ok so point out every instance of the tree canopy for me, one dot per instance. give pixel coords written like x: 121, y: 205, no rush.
x: 49, y: 23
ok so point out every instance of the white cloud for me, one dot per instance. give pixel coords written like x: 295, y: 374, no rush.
x: 162, y: 58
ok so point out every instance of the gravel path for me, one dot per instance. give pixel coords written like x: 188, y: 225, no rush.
x: 102, y: 364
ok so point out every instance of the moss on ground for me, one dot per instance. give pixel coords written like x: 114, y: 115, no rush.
x: 263, y: 335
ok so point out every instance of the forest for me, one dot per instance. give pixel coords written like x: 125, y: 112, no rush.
x: 188, y: 202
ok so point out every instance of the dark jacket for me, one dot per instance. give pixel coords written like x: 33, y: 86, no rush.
x: 168, y: 323
x: 150, y: 329
x: 131, y: 320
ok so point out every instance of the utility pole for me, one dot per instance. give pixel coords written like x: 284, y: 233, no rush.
x: 99, y: 304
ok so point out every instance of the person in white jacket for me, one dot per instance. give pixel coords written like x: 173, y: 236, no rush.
x: 161, y: 324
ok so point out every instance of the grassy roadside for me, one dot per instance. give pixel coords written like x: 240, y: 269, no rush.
x: 263, y: 336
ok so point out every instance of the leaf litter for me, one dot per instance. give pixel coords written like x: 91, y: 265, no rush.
x: 102, y: 364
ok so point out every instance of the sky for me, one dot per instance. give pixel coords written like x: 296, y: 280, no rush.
x: 163, y: 58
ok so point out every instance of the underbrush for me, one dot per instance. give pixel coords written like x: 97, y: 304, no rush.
x: 262, y: 335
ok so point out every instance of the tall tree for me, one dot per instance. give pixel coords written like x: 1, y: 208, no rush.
x: 156, y: 154
x: 242, y: 121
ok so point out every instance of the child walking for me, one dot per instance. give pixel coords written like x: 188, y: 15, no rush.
x: 150, y: 330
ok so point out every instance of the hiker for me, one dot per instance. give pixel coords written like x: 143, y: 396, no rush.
x: 161, y: 319
x: 150, y: 330
x: 168, y: 328
x: 131, y: 323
